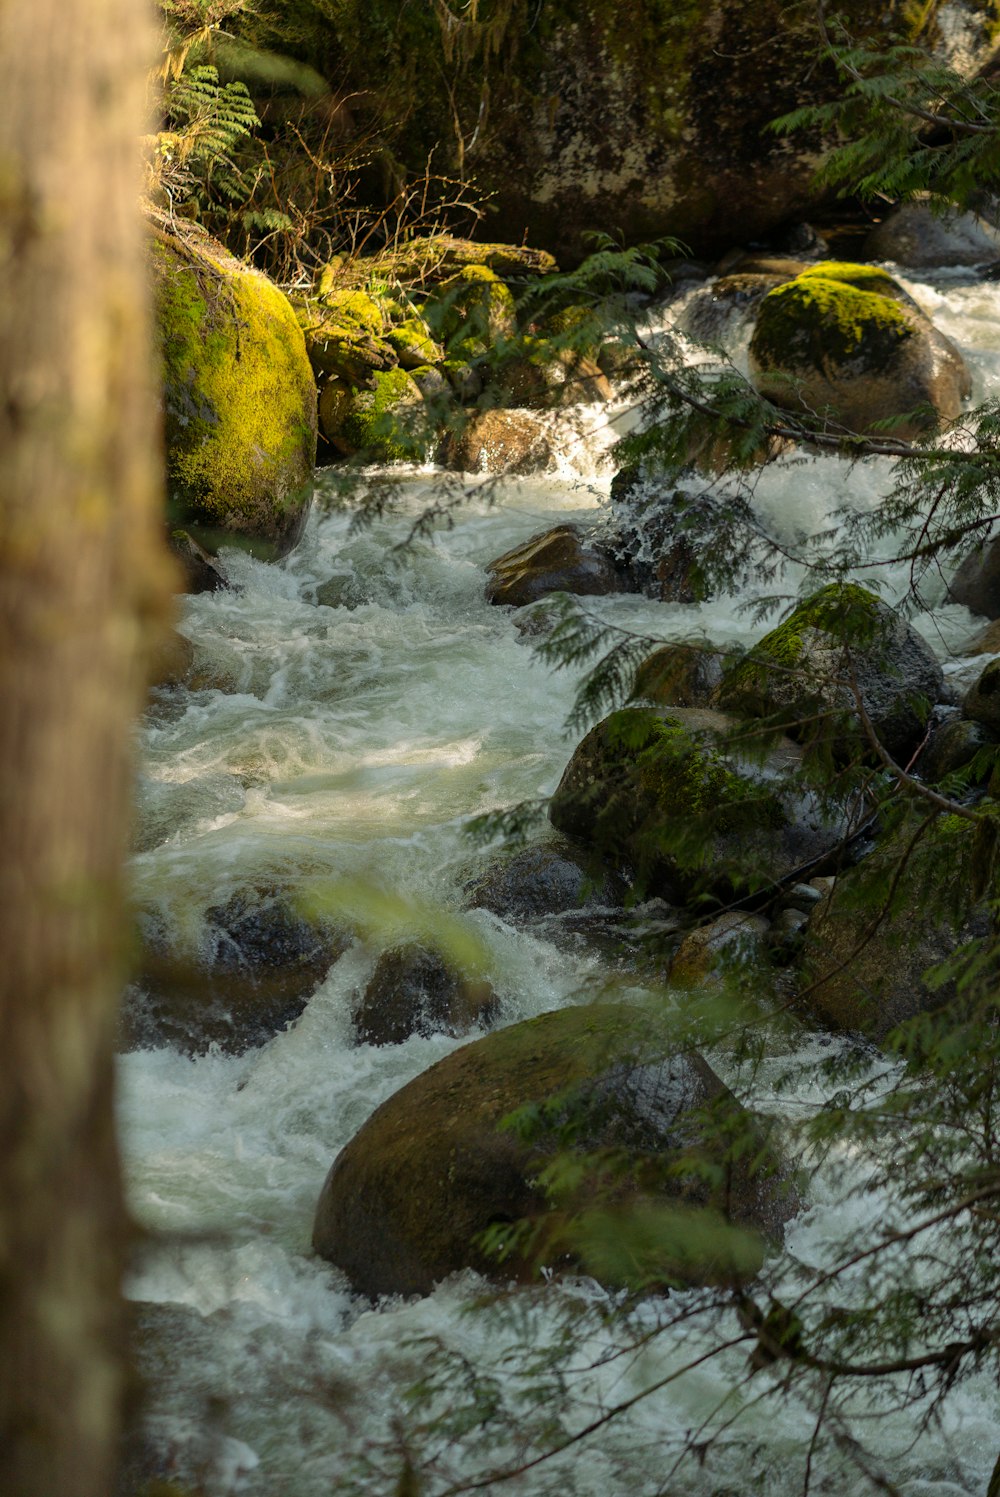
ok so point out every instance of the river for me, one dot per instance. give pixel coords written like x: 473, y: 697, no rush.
x: 355, y: 742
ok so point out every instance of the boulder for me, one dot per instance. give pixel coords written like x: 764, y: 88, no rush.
x: 200, y: 571
x: 678, y: 675
x: 539, y: 375
x: 735, y: 939
x: 660, y: 537
x: 952, y: 746
x: 846, y: 341
x: 171, y: 659
x: 840, y: 641
x: 471, y: 312
x: 655, y: 793
x: 557, y: 561
x: 435, y: 258
x: 239, y: 398
x: 976, y: 584
x: 982, y: 701
x: 540, y: 881
x: 914, y: 235
x: 406, y: 1202
x: 414, y: 991
x: 250, y: 972
x: 866, y: 973
x: 384, y: 423
x: 499, y: 442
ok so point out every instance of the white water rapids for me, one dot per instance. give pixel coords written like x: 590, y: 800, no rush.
x: 355, y: 741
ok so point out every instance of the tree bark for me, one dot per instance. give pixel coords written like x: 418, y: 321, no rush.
x: 83, y: 582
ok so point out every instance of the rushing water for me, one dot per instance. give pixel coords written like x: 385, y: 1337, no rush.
x: 354, y: 742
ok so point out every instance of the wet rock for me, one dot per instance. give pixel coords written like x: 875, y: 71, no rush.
x: 415, y: 991
x: 251, y: 972
x: 914, y: 235
x: 541, y: 881
x: 200, y: 571
x: 544, y: 377
x: 171, y: 660
x: 655, y: 793
x: 845, y: 339
x: 407, y: 1200
x: 384, y: 423
x: 840, y: 641
x: 499, y: 442
x: 555, y: 561
x: 735, y: 940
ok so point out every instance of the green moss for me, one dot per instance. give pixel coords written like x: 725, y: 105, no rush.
x: 413, y: 344
x: 354, y: 308
x: 374, y: 422
x: 473, y: 309
x: 240, y: 399
x: 818, y: 320
x: 861, y: 277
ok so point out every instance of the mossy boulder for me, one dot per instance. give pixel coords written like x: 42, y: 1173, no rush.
x: 433, y: 258
x: 386, y: 423
x: 244, y: 971
x: 808, y: 672
x: 982, y: 701
x: 473, y: 311
x: 544, y: 880
x: 413, y: 345
x: 845, y: 340
x: 729, y: 944
x: 340, y: 346
x: 414, y: 990
x: 407, y: 1200
x: 239, y: 399
x: 678, y: 675
x: 863, y: 964
x: 657, y: 793
x: 557, y: 561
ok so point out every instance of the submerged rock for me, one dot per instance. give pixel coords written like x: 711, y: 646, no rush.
x: 406, y: 1202
x: 540, y: 881
x: 252, y: 971
x: 846, y: 340
x: 415, y: 991
x: 499, y: 442
x: 239, y: 398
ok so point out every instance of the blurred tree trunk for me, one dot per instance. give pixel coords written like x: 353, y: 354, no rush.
x: 83, y: 583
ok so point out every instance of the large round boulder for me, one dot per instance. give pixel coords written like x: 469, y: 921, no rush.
x: 838, y: 645
x: 500, y: 442
x: 659, y: 794
x: 239, y: 398
x: 845, y: 341
x: 915, y: 235
x: 407, y: 1201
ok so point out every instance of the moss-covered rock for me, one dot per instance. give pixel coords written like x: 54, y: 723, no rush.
x: 407, y: 1200
x: 732, y: 942
x: 864, y: 969
x: 413, y: 345
x: 678, y: 675
x: 654, y: 793
x: 472, y: 311
x: 385, y: 423
x: 845, y: 340
x: 339, y: 345
x: 806, y: 673
x: 239, y: 398
x: 429, y: 260
x: 547, y: 879
x: 557, y: 561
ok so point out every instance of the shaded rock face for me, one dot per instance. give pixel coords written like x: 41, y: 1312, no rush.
x: 254, y: 969
x: 914, y: 235
x: 953, y: 745
x: 679, y: 675
x: 540, y: 881
x: 239, y: 399
x: 734, y: 938
x: 839, y: 640
x: 415, y: 991
x: 652, y: 792
x: 872, y: 980
x: 846, y: 340
x: 200, y: 571
x: 982, y: 703
x: 404, y: 1205
x: 553, y: 562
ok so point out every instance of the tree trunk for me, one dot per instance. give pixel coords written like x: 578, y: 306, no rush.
x: 83, y: 581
